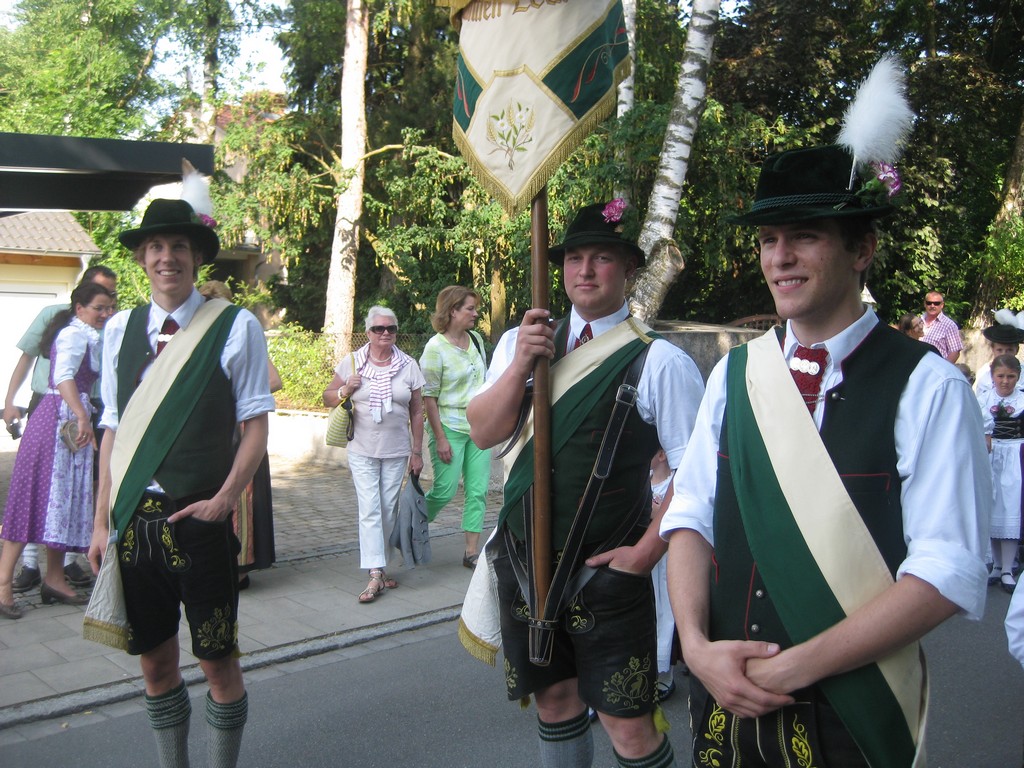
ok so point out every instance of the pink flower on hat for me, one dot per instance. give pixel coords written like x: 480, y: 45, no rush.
x: 614, y: 210
x: 889, y: 176
x: 207, y: 221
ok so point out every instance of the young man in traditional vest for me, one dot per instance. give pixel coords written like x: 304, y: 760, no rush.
x: 604, y: 651
x: 831, y: 507
x: 178, y: 375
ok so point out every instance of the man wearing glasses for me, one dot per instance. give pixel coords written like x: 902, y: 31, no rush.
x: 940, y: 331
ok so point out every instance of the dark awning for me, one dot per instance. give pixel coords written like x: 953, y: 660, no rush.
x: 78, y: 174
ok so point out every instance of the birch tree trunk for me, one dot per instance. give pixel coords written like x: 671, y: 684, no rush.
x: 664, y: 259
x: 341, y: 279
x: 625, y: 91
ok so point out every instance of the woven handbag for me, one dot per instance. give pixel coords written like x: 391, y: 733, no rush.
x: 340, y: 426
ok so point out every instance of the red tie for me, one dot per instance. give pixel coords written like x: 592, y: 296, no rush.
x: 169, y: 328
x: 585, y: 335
x: 807, y: 367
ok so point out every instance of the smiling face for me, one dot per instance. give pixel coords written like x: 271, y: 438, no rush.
x: 595, y: 278
x: 813, y: 276
x: 171, y: 267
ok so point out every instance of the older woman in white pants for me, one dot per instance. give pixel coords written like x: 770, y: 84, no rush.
x: 384, y: 386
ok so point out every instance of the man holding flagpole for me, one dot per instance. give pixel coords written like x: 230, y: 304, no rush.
x: 832, y: 506
x: 604, y: 640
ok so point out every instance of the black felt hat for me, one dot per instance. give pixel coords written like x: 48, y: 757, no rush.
x: 1003, y: 334
x: 805, y: 184
x: 600, y: 223
x: 173, y: 217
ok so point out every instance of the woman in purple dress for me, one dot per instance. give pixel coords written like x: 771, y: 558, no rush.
x: 50, y: 500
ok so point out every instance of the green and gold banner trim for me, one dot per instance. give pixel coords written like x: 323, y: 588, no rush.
x: 533, y: 79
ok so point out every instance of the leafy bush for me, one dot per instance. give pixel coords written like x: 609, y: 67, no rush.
x: 303, y: 359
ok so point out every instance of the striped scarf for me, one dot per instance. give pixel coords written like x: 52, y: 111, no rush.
x: 380, y: 378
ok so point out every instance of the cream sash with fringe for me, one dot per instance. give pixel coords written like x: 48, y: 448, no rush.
x: 106, y: 619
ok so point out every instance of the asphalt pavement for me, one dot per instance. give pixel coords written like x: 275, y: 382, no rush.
x: 305, y: 604
x: 334, y: 682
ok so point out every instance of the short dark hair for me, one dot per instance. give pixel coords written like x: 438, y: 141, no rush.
x: 98, y: 269
x: 852, y: 231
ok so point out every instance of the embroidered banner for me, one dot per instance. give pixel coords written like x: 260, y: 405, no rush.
x: 533, y: 78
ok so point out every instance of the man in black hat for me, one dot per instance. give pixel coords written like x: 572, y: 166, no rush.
x: 817, y: 531
x: 179, y: 375
x: 604, y: 650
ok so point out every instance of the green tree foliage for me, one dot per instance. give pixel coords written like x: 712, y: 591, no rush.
x: 783, y: 73
x: 81, y: 69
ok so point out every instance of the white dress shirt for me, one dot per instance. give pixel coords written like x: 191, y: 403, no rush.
x: 668, y: 393
x: 243, y: 360
x: 941, y: 458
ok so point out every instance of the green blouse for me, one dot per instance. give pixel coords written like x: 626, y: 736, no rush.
x: 453, y: 376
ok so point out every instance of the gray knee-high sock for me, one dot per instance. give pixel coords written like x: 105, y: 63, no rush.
x: 226, y: 724
x: 568, y: 744
x: 662, y: 757
x: 169, y: 716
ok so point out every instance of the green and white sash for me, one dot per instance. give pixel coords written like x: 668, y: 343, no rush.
x: 814, y: 551
x: 575, y: 379
x: 146, y: 430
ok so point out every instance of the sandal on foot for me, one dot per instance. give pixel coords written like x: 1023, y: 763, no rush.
x: 374, y: 588
x: 387, y: 581
x: 469, y: 561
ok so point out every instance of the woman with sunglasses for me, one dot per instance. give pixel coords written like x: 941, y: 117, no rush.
x: 50, y: 500
x: 384, y: 386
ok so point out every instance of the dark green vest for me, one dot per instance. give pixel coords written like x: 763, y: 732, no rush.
x: 857, y: 430
x: 572, y: 466
x: 201, y: 457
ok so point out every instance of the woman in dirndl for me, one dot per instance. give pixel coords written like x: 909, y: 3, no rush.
x: 50, y: 500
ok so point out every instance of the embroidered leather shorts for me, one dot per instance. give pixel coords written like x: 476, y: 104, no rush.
x: 808, y: 732
x: 165, y: 565
x: 607, y: 639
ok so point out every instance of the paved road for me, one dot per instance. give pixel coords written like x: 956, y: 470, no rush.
x: 417, y: 699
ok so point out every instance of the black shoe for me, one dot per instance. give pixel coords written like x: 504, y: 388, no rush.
x: 26, y: 579
x: 1007, y: 582
x: 243, y: 583
x: 77, y: 576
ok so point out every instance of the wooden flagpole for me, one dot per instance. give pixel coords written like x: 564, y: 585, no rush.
x: 541, y: 408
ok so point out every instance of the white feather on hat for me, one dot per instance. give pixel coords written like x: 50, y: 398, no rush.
x: 1008, y: 317
x: 195, y: 189
x: 879, y: 120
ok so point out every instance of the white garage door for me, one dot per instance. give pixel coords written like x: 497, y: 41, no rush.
x: 19, y: 305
